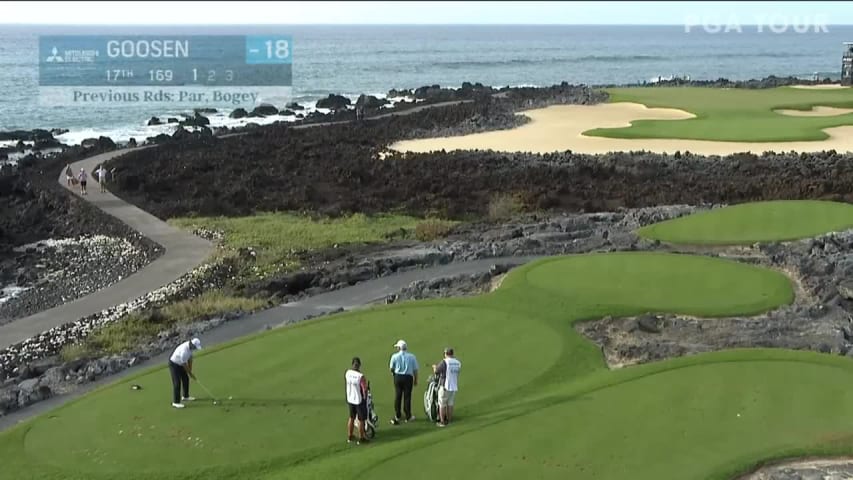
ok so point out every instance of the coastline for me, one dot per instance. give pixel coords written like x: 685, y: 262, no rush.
x: 220, y: 119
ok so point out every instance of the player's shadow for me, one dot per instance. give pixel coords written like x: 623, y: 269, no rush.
x: 242, y: 402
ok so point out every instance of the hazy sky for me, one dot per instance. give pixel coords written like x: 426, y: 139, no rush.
x: 209, y: 12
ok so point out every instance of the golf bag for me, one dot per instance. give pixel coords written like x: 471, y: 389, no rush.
x: 372, y: 418
x: 431, y: 399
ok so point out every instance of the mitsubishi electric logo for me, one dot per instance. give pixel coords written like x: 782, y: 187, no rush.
x: 76, y: 55
x: 54, y: 56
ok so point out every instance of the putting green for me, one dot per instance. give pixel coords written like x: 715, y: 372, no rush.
x: 738, y: 115
x: 724, y: 288
x: 536, y: 399
x: 755, y: 222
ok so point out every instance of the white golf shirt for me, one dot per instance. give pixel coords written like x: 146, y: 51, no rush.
x: 182, y: 354
x: 451, y: 374
x: 354, y: 394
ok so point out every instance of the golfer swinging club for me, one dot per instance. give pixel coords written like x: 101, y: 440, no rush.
x: 181, y: 369
x: 404, y: 369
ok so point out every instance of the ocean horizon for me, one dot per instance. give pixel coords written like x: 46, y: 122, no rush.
x: 372, y: 59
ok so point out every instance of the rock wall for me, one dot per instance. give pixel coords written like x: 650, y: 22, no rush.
x: 342, y: 169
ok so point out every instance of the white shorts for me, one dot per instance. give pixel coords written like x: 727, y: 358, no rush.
x: 446, y: 398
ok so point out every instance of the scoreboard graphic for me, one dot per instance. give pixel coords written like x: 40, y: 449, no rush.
x: 190, y: 70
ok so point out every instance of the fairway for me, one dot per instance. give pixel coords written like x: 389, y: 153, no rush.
x: 527, y: 375
x: 754, y: 222
x: 734, y: 115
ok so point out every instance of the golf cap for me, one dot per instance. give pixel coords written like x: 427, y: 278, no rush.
x: 196, y: 343
x: 401, y: 344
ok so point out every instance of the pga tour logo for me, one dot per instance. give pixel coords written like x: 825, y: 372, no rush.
x: 760, y: 23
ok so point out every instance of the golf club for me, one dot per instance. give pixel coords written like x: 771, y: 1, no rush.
x: 215, y: 401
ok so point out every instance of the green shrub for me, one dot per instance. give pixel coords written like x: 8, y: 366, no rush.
x: 75, y: 352
x: 135, y: 328
x: 503, y: 206
x: 433, y: 229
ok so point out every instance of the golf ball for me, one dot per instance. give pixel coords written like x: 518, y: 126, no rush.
x: 230, y: 398
x: 738, y: 414
x: 216, y: 403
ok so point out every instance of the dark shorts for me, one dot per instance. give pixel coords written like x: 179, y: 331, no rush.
x: 359, y: 410
x: 83, y: 182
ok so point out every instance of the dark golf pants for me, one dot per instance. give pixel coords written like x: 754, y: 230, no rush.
x: 179, y: 379
x: 403, y: 394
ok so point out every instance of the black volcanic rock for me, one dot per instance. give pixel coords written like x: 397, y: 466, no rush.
x: 294, y: 106
x: 238, y: 113
x: 428, y: 92
x: 399, y: 93
x: 334, y: 102
x: 46, y: 143
x: 101, y: 143
x: 370, y: 102
x: 337, y: 169
x: 161, y: 138
x: 197, y: 120
x: 154, y: 121
x: 26, y: 135
x: 264, y: 111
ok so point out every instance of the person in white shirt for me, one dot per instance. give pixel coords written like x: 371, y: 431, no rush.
x: 101, y: 172
x: 181, y: 369
x: 356, y: 388
x: 448, y: 381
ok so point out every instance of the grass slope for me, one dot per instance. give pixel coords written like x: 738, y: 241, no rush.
x: 279, y: 237
x: 731, y: 114
x: 536, y: 399
x: 754, y: 222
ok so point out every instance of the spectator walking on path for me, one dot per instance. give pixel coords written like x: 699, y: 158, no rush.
x: 404, y: 370
x: 356, y: 400
x: 181, y: 369
x: 69, y: 175
x: 101, y: 172
x: 82, y: 177
x: 448, y: 383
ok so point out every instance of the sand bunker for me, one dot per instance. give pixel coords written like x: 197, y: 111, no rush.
x: 816, y: 112
x: 560, y: 128
x: 830, y: 86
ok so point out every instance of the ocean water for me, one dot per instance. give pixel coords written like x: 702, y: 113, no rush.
x: 373, y: 59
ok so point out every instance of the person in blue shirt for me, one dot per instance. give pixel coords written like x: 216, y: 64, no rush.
x: 404, y: 370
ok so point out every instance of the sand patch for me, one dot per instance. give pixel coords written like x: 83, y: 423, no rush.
x: 829, y: 86
x: 559, y: 128
x: 816, y: 112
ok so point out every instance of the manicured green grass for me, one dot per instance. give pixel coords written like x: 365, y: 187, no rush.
x: 754, y: 222
x: 279, y: 238
x: 725, y: 288
x: 536, y: 400
x: 732, y: 114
